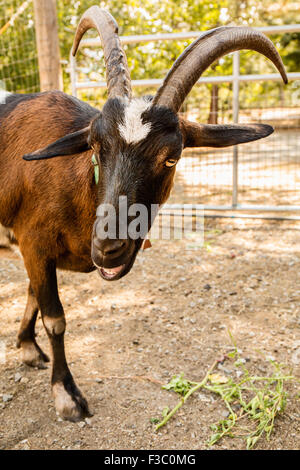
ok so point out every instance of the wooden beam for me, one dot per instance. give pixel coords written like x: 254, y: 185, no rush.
x: 47, y: 45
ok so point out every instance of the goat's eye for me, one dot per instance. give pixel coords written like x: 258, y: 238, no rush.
x: 170, y: 162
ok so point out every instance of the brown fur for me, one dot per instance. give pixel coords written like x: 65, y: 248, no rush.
x: 46, y: 197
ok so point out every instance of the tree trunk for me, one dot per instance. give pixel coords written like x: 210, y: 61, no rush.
x: 47, y: 45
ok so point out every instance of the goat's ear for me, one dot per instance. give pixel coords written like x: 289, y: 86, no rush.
x: 70, y: 144
x: 210, y: 135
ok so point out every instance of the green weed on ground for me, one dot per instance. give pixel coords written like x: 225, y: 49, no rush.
x: 253, y: 402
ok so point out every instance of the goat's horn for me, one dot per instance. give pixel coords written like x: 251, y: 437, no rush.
x: 209, y: 47
x: 117, y: 72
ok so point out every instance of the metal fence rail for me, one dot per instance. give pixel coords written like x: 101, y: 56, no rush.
x: 274, y: 164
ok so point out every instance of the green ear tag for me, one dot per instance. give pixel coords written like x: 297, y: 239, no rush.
x: 96, y: 168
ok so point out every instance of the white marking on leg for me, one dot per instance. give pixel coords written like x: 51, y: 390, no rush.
x: 31, y: 356
x: 64, y: 404
x: 133, y: 129
x: 6, y: 235
x: 3, y: 95
x: 55, y: 326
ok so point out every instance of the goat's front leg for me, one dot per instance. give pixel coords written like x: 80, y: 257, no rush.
x: 32, y: 355
x: 69, y: 401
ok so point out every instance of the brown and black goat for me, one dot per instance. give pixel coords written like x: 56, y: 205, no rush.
x: 50, y: 204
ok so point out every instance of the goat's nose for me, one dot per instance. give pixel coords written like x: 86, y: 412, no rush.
x: 111, y: 248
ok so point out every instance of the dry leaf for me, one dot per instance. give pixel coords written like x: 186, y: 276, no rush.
x: 218, y: 379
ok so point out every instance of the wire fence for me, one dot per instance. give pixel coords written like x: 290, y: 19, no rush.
x: 18, y: 64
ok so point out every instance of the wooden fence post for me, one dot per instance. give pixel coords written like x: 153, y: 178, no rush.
x: 47, y: 45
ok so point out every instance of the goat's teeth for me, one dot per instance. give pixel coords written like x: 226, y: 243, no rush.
x: 112, y: 271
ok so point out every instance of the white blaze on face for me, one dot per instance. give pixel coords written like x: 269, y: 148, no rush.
x: 133, y: 129
x: 3, y: 95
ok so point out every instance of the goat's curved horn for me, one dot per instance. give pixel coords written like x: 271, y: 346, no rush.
x: 209, y: 47
x: 117, y: 72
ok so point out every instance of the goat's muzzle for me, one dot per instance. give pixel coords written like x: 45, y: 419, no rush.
x: 113, y: 257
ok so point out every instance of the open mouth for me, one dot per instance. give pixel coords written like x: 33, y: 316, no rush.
x: 111, y: 273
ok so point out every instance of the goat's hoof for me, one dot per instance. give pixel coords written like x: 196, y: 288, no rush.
x: 69, y: 402
x: 32, y: 355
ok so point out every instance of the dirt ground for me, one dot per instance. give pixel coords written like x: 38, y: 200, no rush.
x: 169, y: 315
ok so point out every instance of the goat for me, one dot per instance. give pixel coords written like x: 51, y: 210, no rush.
x: 51, y: 204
